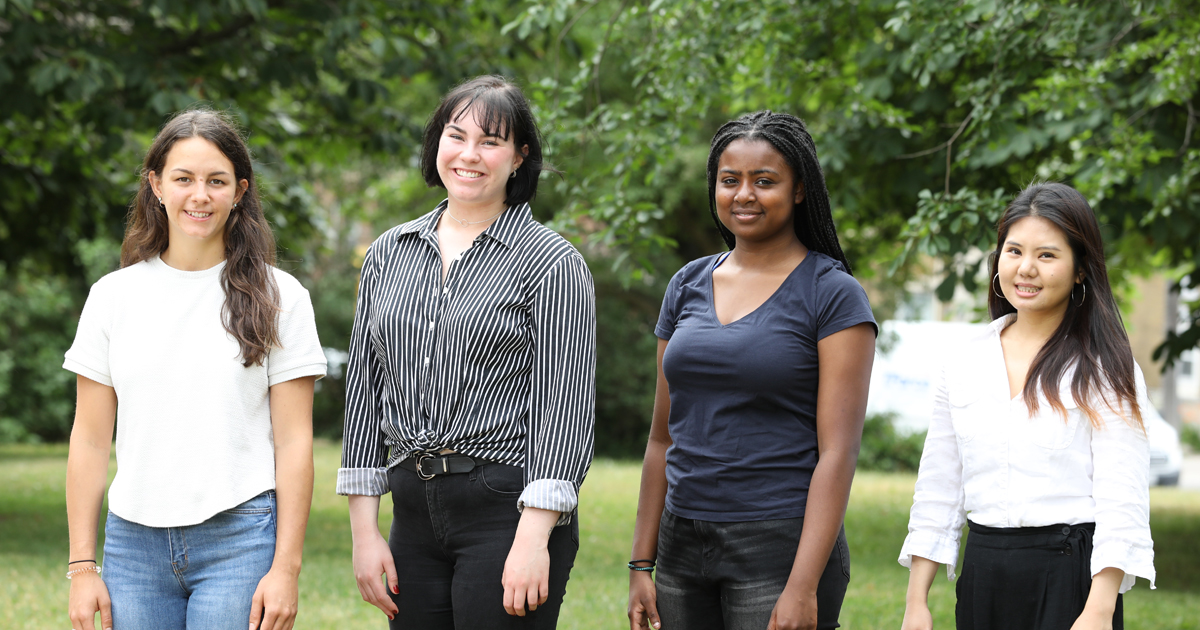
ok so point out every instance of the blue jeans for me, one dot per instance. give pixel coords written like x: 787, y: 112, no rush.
x: 728, y: 576
x: 198, y: 577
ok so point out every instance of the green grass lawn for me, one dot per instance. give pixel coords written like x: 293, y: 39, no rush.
x: 33, y: 552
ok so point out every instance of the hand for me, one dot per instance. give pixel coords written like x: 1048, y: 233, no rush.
x: 275, y: 601
x: 372, y: 559
x: 917, y: 617
x: 794, y: 612
x: 643, y: 601
x: 1093, y: 619
x: 89, y: 595
x: 526, y: 575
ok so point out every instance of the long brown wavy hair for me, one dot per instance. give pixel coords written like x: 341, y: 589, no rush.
x: 251, y: 295
x: 1091, y: 336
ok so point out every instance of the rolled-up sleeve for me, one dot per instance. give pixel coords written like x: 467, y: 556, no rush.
x: 363, y: 469
x: 1121, y: 489
x: 938, y: 514
x: 562, y: 410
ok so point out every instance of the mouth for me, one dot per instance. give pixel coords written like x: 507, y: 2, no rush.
x: 1027, y: 290
x: 467, y: 174
x: 199, y: 216
x: 745, y: 215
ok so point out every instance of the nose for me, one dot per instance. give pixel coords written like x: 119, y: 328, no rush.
x: 1027, y: 268
x: 744, y: 193
x: 470, y: 152
x: 201, y: 192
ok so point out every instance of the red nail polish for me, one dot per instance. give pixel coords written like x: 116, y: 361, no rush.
x: 396, y: 590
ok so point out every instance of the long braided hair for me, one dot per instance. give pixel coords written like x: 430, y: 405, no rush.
x: 813, y: 218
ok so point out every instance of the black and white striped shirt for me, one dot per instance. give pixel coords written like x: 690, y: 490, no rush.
x: 497, y: 362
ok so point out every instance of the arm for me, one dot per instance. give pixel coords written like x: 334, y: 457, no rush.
x: 277, y: 597
x: 363, y: 475
x: 844, y: 360
x: 1101, y: 602
x: 87, y: 475
x: 652, y: 498
x: 916, y: 600
x: 562, y: 415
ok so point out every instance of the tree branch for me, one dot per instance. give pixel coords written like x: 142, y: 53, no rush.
x: 944, y: 145
x: 604, y: 48
x: 1187, y: 134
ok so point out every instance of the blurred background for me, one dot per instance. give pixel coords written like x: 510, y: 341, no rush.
x: 928, y: 115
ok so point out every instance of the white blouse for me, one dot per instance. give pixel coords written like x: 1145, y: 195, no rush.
x: 985, y: 456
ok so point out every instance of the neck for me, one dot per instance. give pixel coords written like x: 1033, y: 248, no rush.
x: 784, y: 251
x: 1037, y: 326
x: 189, y: 255
x: 475, y: 212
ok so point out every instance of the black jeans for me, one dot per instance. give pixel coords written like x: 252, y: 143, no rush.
x: 730, y: 575
x: 450, y: 537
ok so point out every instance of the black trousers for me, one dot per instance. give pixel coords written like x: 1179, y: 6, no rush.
x: 1026, y: 578
x: 728, y: 576
x: 450, y: 537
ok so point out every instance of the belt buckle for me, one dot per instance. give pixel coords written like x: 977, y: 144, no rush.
x: 421, y: 457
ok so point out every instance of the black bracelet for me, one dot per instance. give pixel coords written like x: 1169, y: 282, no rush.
x: 78, y: 561
x: 633, y: 567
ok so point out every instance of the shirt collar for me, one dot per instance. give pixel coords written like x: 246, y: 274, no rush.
x: 504, y: 230
x: 1000, y: 323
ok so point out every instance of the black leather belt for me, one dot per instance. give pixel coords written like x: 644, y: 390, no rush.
x: 427, y: 465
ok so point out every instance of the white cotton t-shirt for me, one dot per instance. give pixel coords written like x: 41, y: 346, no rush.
x: 193, y: 425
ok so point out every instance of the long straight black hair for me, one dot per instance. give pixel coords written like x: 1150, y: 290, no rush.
x: 812, y: 217
x: 1091, y: 336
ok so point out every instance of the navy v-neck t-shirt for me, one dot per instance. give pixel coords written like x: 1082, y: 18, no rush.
x: 744, y: 395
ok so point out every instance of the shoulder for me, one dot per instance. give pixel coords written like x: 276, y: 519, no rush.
x: 829, y: 274
x: 121, y: 280
x: 963, y: 354
x: 695, y: 270
x: 290, y: 288
x: 540, y: 242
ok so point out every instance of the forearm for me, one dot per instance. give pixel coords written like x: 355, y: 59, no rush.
x: 293, y: 491
x: 535, y: 526
x: 87, y: 475
x: 1102, y: 598
x: 364, y: 516
x: 920, y: 579
x: 652, y: 499
x: 828, y: 494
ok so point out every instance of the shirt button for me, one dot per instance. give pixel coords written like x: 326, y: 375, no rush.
x: 446, y: 291
x: 426, y: 360
x: 430, y: 325
x: 1066, y: 531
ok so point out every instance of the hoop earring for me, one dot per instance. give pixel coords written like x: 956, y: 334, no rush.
x: 998, y: 294
x: 1082, y: 299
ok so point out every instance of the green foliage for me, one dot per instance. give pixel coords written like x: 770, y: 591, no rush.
x: 1189, y: 434
x: 886, y: 450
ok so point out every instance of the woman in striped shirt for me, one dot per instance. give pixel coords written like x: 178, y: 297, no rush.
x: 471, y: 385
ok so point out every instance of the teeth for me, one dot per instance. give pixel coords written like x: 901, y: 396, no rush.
x: 197, y: 215
x: 1029, y: 289
x: 468, y: 174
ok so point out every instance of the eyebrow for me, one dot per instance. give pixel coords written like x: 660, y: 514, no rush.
x: 1014, y: 243
x: 757, y: 171
x: 187, y: 172
x: 464, y: 131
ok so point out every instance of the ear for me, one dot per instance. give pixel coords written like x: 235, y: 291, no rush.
x: 799, y: 192
x: 155, y: 183
x: 243, y: 186
x: 519, y: 159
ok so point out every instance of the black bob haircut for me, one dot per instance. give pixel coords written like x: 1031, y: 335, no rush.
x: 813, y: 217
x: 500, y: 109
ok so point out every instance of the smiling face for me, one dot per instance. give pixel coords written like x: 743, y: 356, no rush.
x: 1037, y: 267
x: 475, y: 166
x: 756, y: 192
x: 198, y: 190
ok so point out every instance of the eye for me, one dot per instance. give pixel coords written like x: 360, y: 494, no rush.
x: 763, y: 181
x: 218, y: 182
x: 729, y: 181
x: 1048, y: 255
x: 1013, y: 250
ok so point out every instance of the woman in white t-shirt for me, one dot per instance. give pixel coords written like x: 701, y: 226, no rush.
x: 207, y: 355
x: 1037, y: 440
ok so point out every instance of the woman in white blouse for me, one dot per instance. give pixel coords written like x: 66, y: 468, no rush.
x: 1037, y: 440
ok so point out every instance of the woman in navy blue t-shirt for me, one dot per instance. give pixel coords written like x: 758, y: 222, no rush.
x: 764, y: 359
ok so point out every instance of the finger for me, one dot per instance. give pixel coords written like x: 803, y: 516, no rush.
x: 652, y: 615
x: 86, y: 621
x: 771, y: 624
x: 393, y: 580
x: 256, y: 609
x: 270, y: 617
x: 373, y: 593
x: 509, y: 597
x: 531, y: 598
x: 543, y: 590
x: 106, y: 614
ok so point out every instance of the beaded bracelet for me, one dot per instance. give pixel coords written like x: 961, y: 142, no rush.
x: 633, y: 567
x: 95, y: 568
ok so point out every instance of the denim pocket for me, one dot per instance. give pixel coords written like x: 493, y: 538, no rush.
x: 507, y: 481
x: 261, y: 504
